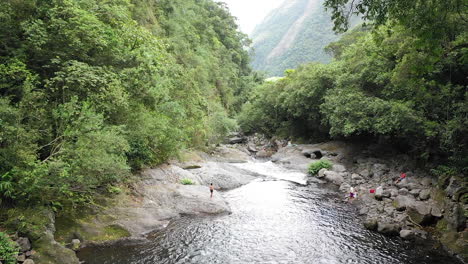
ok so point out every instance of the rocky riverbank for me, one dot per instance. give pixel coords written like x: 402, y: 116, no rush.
x: 418, y: 207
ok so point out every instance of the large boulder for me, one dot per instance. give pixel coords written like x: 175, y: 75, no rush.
x: 338, y: 168
x: 236, y: 140
x: 420, y: 213
x: 371, y: 224
x: 379, y: 170
x: 388, y: 229
x: 334, y: 177
x: 425, y: 194
x: 453, y: 187
x: 321, y: 173
x: 402, y: 202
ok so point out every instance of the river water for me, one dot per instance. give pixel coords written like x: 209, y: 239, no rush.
x: 279, y: 220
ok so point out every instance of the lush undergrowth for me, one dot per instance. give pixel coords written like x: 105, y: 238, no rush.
x: 390, y: 81
x: 93, y: 90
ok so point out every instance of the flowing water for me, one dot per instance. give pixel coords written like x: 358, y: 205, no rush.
x: 281, y: 220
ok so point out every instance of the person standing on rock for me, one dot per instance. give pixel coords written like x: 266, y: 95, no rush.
x: 352, y: 193
x: 211, y: 190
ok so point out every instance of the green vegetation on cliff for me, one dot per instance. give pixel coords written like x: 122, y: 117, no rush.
x: 295, y: 33
x: 395, y: 82
x: 91, y: 90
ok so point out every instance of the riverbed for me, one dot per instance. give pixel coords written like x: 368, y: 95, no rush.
x: 277, y: 219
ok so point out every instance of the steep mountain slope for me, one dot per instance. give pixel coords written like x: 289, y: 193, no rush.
x: 292, y: 34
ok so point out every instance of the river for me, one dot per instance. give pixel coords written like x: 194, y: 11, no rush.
x: 278, y: 220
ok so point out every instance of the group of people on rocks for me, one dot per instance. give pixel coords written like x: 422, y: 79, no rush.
x: 353, y: 194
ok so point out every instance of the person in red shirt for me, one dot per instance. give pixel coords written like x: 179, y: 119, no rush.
x: 402, y: 177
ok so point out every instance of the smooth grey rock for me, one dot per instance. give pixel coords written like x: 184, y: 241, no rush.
x: 436, y: 212
x: 402, y: 202
x: 393, y: 192
x: 379, y: 170
x: 356, y: 177
x: 363, y: 211
x: 21, y: 258
x: 420, y: 213
x: 426, y: 181
x: 338, y: 168
x: 371, y: 224
x: 75, y: 244
x: 403, y: 191
x: 388, y: 229
x: 415, y: 192
x: 425, y: 194
x: 321, y: 173
x: 24, y: 244
x: 236, y: 140
x: 334, y: 177
x: 365, y: 173
x: 345, y: 187
x: 28, y: 261
x: 453, y: 187
x: 407, y: 234
x: 264, y: 154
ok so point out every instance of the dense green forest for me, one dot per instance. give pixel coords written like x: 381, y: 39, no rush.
x: 92, y: 90
x: 401, y: 79
x: 314, y: 33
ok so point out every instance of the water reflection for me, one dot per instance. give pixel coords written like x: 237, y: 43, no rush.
x: 272, y: 222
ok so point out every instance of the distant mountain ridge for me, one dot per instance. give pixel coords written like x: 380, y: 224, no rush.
x: 293, y: 34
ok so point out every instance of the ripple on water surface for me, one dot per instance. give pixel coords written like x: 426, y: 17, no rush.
x: 272, y: 222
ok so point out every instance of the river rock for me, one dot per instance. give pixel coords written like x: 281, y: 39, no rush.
x: 334, y: 177
x: 379, y: 193
x: 388, y: 229
x: 426, y: 181
x: 436, y: 211
x: 24, y: 244
x: 321, y: 173
x: 236, y: 140
x: 379, y: 170
x: 371, y: 224
x: 393, y: 192
x: 363, y: 211
x: 345, y: 187
x: 21, y: 258
x: 420, y: 213
x: 264, y: 154
x: 402, y: 202
x: 425, y: 194
x: 365, y: 173
x: 413, y: 234
x: 28, y: 261
x: 453, y: 187
x: 252, y: 148
x: 407, y: 234
x: 403, y: 191
x: 415, y: 192
x: 223, y: 175
x: 75, y: 244
x: 338, y: 168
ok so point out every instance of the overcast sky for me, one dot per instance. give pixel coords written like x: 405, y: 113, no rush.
x: 249, y: 13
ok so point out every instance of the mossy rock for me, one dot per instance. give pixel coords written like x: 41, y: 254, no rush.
x: 30, y: 222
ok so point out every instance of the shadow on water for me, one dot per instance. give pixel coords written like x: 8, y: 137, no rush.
x: 272, y: 222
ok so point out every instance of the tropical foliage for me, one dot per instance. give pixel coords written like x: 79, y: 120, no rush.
x: 92, y: 90
x: 389, y: 81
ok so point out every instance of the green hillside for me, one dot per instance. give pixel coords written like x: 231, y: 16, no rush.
x: 293, y: 34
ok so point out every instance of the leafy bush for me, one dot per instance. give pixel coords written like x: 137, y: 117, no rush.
x: 321, y: 164
x: 8, y: 249
x: 187, y: 181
